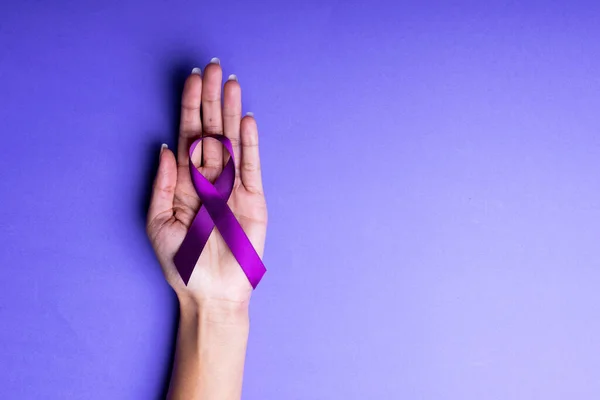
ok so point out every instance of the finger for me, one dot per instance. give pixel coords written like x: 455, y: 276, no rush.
x: 250, y: 163
x: 190, y: 127
x: 212, y: 122
x: 232, y: 117
x: 163, y: 191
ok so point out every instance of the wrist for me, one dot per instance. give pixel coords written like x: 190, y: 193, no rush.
x: 211, y: 348
x: 216, y: 311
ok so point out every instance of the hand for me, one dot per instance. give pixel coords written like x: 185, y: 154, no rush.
x: 217, y: 276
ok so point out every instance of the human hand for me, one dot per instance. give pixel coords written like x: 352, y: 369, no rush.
x: 217, y: 276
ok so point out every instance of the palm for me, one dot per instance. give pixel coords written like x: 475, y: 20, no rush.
x: 217, y: 273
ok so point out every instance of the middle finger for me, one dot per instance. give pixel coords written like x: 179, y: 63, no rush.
x: 212, y: 121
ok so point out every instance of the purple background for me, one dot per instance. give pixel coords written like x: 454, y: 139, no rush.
x: 432, y: 173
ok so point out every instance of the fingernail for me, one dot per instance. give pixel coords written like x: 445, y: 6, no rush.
x: 164, y: 146
x: 232, y: 77
x: 250, y: 114
x: 215, y: 60
x: 197, y: 71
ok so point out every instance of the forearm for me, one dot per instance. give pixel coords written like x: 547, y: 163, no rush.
x: 211, y: 350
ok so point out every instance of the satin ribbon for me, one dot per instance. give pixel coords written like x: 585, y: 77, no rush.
x: 216, y: 212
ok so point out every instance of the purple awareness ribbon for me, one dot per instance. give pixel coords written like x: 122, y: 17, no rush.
x: 216, y: 212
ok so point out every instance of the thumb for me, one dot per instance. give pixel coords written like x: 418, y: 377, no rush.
x: 163, y: 191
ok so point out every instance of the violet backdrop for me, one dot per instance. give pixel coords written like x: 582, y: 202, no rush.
x: 432, y: 176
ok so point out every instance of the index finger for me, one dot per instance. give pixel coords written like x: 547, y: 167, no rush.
x: 190, y: 126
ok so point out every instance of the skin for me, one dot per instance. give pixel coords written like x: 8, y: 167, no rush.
x: 214, y: 324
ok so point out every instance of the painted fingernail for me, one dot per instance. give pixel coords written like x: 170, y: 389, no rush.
x: 232, y: 77
x: 197, y: 71
x: 164, y: 146
x: 215, y: 60
x: 250, y: 114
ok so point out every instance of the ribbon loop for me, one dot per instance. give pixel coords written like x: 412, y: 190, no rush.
x: 215, y: 212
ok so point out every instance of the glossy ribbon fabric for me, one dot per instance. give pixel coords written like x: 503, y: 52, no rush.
x: 216, y: 212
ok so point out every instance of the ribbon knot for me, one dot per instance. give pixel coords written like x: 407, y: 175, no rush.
x: 216, y: 212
